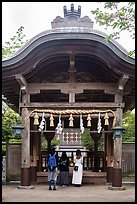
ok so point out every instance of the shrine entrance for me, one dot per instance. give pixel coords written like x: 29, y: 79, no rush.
x: 67, y: 127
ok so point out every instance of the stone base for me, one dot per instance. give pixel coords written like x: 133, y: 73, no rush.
x: 109, y: 174
x: 108, y: 183
x: 25, y: 187
x: 25, y: 177
x: 116, y: 188
x: 117, y: 177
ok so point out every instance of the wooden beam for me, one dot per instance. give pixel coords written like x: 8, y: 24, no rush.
x: 72, y: 63
x: 122, y: 82
x: 74, y: 105
x: 71, y: 97
x: 72, y: 68
x: 71, y: 87
x: 22, y: 81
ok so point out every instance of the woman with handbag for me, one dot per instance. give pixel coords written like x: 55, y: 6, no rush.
x: 63, y: 178
x: 78, y: 169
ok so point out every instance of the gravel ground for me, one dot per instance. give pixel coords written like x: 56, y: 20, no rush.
x: 85, y: 193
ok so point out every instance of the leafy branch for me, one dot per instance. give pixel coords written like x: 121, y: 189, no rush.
x: 118, y: 17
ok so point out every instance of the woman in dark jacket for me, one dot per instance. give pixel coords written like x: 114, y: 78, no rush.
x: 63, y: 178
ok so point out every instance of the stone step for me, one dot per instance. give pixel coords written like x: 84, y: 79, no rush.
x: 88, y: 177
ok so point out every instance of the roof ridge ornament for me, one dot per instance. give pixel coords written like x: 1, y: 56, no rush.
x: 69, y: 13
x: 72, y: 18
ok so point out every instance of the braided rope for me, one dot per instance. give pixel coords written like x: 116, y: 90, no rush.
x: 72, y: 111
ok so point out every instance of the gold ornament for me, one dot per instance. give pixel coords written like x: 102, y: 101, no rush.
x: 71, y: 120
x: 106, y: 119
x: 36, y: 121
x: 51, y: 120
x: 89, y: 121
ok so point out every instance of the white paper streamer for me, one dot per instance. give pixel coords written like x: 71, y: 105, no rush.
x: 81, y: 124
x: 99, y: 124
x: 59, y: 128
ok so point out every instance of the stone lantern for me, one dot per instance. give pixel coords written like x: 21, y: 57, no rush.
x: 117, y: 131
x: 18, y: 130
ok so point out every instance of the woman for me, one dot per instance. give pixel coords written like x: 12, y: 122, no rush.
x: 78, y: 173
x: 52, y: 171
x: 63, y: 178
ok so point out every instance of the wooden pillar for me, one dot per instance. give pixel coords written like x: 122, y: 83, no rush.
x: 25, y: 157
x: 117, y: 168
x: 96, y: 137
x: 96, y: 154
x: 49, y: 136
x: 39, y: 151
x: 34, y: 160
x: 109, y: 156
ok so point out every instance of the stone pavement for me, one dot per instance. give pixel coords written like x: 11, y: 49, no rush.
x: 85, y: 193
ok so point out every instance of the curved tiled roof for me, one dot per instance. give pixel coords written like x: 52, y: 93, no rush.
x: 49, y: 51
x: 68, y: 33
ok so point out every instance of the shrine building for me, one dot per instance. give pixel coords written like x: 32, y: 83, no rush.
x: 65, y: 80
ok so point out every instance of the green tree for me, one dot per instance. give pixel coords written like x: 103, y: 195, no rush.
x: 129, y: 125
x: 120, y: 16
x: 44, y: 143
x: 10, y: 117
x: 87, y: 140
x: 14, y: 44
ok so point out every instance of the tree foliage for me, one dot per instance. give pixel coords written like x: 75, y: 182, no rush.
x: 9, y: 118
x: 120, y: 16
x: 129, y: 125
x: 14, y: 44
x: 87, y: 140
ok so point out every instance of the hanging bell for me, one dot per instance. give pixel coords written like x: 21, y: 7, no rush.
x: 106, y: 119
x: 71, y: 120
x: 36, y: 121
x: 51, y: 120
x: 89, y: 121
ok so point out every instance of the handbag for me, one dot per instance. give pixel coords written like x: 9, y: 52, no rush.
x: 75, y: 168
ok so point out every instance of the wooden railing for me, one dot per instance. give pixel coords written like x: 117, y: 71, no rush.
x: 93, y: 161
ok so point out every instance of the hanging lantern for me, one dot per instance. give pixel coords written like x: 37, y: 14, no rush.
x: 106, y: 119
x: 51, y: 120
x: 71, y: 120
x: 36, y: 121
x: 89, y: 121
